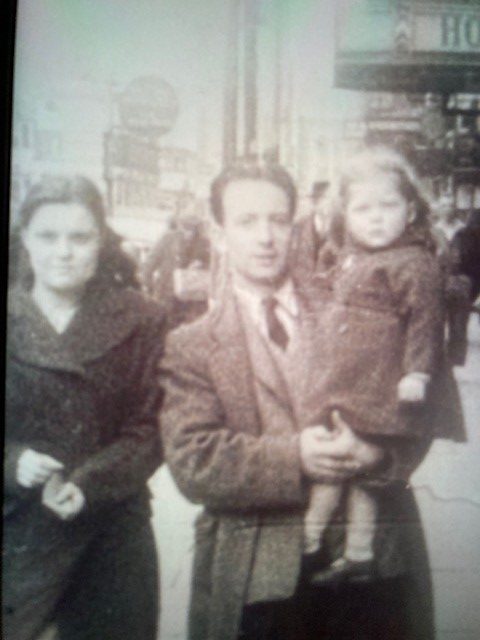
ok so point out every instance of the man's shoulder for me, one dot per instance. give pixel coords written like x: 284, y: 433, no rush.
x: 192, y: 341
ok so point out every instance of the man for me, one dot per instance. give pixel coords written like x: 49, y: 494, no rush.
x: 308, y: 235
x: 231, y: 426
x: 176, y: 271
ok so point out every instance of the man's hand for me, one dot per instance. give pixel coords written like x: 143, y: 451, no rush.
x: 34, y: 469
x: 365, y: 454
x: 337, y: 458
x: 66, y: 502
x: 322, y: 457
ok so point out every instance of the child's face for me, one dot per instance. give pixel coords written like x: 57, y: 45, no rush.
x: 376, y: 213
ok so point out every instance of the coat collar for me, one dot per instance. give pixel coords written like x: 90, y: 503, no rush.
x: 105, y: 318
x: 230, y: 356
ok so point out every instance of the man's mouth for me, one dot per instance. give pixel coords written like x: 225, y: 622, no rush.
x: 266, y: 257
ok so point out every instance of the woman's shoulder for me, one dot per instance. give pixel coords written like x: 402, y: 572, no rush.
x: 137, y: 302
x: 116, y: 313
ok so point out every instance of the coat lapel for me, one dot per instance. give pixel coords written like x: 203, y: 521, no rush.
x: 304, y: 363
x: 104, y: 320
x: 231, y: 367
x: 266, y: 370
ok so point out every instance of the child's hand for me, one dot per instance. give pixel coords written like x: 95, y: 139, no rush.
x: 413, y: 387
x: 324, y: 433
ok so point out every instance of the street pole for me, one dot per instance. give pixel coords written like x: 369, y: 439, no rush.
x: 250, y: 80
x: 230, y: 113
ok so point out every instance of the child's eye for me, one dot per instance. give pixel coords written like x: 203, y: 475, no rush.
x: 281, y: 218
x: 389, y: 203
x: 246, y: 219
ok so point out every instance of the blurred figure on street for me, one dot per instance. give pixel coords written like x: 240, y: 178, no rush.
x: 308, y: 236
x: 448, y: 232
x: 176, y: 271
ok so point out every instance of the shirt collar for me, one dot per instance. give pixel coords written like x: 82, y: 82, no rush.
x: 285, y: 297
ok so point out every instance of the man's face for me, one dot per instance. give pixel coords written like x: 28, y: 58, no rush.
x: 256, y: 231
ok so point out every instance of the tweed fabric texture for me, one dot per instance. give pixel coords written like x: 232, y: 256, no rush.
x: 247, y: 479
x: 382, y: 319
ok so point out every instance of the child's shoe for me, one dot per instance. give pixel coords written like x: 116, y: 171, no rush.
x: 344, y: 570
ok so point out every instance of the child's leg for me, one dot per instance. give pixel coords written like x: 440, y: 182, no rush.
x: 324, y: 499
x: 361, y: 522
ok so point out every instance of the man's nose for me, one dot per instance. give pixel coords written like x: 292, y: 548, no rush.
x: 265, y: 235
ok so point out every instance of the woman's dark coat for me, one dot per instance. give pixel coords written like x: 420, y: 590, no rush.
x: 88, y: 397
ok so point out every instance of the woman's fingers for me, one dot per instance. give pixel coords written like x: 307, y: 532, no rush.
x: 35, y: 468
x: 50, y: 464
x: 68, y: 502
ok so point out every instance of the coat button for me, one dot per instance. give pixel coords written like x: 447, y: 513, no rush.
x: 78, y: 428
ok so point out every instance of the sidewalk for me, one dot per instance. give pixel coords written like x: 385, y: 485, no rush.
x: 447, y: 486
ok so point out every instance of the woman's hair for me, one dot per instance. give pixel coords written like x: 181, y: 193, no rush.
x: 247, y: 170
x: 363, y: 166
x: 115, y: 268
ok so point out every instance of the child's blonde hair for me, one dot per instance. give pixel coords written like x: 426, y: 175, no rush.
x: 362, y: 166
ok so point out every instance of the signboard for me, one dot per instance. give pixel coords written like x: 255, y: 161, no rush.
x: 129, y: 151
x: 452, y: 28
x: 408, y: 45
x: 148, y: 105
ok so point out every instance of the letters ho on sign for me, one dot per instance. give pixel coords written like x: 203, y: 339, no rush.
x: 408, y: 45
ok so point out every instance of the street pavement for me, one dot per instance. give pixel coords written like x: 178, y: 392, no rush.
x: 447, y: 486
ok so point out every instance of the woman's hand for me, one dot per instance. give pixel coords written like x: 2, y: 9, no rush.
x: 335, y: 456
x: 34, y: 469
x: 66, y: 501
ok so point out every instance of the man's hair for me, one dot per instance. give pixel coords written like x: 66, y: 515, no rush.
x: 268, y: 172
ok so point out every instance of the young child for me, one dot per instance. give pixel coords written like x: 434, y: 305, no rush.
x: 382, y: 327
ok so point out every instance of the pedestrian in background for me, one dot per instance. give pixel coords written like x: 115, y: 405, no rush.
x: 176, y: 271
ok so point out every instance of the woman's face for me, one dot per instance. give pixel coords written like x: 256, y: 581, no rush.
x: 63, y: 242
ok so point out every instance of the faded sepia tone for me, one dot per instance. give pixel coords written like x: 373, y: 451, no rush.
x: 151, y: 98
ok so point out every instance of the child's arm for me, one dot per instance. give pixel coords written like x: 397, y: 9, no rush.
x: 419, y: 286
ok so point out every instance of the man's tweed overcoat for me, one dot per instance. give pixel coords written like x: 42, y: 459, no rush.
x: 248, y: 480
x: 90, y: 398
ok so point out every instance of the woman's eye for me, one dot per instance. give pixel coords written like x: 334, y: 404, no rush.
x: 81, y: 238
x: 47, y: 236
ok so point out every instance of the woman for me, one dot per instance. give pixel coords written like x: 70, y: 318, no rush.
x: 81, y: 435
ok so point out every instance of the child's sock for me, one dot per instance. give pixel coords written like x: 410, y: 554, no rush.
x: 361, y: 518
x: 324, y: 499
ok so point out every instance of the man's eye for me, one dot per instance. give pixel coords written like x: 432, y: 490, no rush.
x: 247, y: 219
x: 360, y: 208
